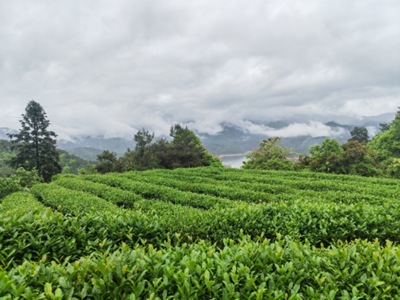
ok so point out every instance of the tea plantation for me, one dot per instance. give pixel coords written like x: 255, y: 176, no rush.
x: 202, y: 233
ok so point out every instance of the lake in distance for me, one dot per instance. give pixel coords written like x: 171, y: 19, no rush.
x: 233, y: 161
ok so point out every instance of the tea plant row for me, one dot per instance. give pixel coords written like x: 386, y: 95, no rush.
x: 247, y: 191
x: 29, y: 230
x: 294, y: 182
x: 292, y: 175
x: 312, y: 219
x: 284, y: 269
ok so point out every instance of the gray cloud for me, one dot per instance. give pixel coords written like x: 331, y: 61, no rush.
x: 102, y: 68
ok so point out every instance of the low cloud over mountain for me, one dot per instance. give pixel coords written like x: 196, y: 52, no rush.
x: 110, y: 69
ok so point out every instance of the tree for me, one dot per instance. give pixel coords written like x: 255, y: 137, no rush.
x: 355, y: 160
x: 269, y: 154
x: 161, y: 149
x: 350, y: 158
x: 143, y: 139
x: 185, y: 150
x: 105, y: 161
x: 5, y: 155
x: 393, y: 170
x: 71, y: 163
x: 384, y: 126
x: 264, y: 163
x: 34, y: 144
x: 88, y: 170
x: 142, y: 157
x: 270, y: 148
x: 303, y: 163
x: 320, y: 154
x: 386, y: 144
x: 359, y: 134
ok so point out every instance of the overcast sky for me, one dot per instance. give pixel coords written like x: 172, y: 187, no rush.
x: 111, y: 67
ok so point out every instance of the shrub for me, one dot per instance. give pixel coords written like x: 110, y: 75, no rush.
x: 265, y: 163
x: 393, y: 170
x: 22, y: 180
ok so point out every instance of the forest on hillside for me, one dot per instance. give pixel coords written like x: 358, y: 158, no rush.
x: 360, y: 155
x: 70, y: 163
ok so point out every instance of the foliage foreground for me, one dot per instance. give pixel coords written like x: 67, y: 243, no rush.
x: 202, y: 233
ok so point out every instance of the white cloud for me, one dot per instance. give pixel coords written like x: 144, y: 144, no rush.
x: 372, y: 131
x: 313, y: 129
x: 109, y: 69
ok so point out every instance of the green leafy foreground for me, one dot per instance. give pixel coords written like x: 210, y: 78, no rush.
x: 172, y: 235
x: 29, y: 230
x: 284, y: 269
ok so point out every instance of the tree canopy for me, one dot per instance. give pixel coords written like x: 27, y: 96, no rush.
x: 5, y: 156
x: 386, y: 144
x: 105, y: 161
x: 34, y: 144
x: 384, y: 126
x: 184, y: 151
x: 355, y: 160
x: 350, y: 158
x: 320, y: 154
x: 271, y: 155
x: 359, y: 134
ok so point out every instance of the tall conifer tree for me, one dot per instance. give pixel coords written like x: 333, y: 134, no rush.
x: 35, y: 145
x: 185, y: 149
x: 359, y: 134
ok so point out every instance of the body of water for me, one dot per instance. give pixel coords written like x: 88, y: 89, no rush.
x: 233, y: 161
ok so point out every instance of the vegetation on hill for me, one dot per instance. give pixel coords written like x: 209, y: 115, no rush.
x: 33, y: 148
x: 5, y: 156
x: 386, y: 144
x: 350, y: 158
x: 379, y: 157
x: 270, y: 156
x: 71, y: 163
x: 86, y: 153
x: 184, y: 151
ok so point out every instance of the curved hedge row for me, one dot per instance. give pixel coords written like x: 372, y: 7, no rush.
x: 284, y: 269
x: 248, y: 191
x: 39, y: 232
x: 69, y: 201
x: 299, y: 183
x: 312, y: 220
x: 19, y: 203
x: 204, y: 188
x: 292, y: 175
x: 116, y: 196
x: 152, y: 191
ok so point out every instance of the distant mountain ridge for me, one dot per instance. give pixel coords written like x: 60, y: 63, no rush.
x: 233, y: 139
x: 116, y: 144
x: 333, y: 124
